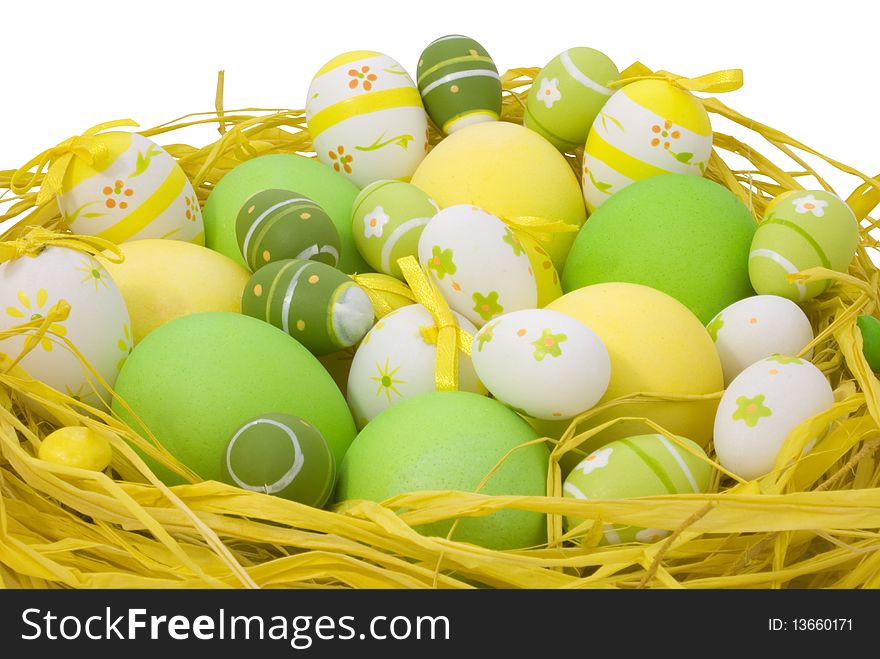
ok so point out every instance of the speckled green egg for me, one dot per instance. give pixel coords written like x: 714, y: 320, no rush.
x: 801, y: 229
x: 870, y: 329
x: 452, y: 440
x: 319, y: 306
x: 568, y: 94
x: 283, y: 455
x: 459, y: 83
x: 197, y: 379
x: 273, y: 225
x: 640, y: 466
x: 387, y: 220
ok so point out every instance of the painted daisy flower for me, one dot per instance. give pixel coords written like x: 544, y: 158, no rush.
x: 549, y: 92
x: 809, y: 204
x: 595, y: 460
x: 374, y: 221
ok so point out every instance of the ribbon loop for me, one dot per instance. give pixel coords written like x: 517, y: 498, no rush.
x: 717, y: 82
x: 541, y: 229
x: 33, y: 242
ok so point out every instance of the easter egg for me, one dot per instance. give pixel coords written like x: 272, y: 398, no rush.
x: 757, y: 327
x: 459, y: 83
x: 165, y: 279
x: 135, y: 190
x: 366, y: 118
x: 684, y: 235
x: 395, y: 362
x: 761, y: 407
x: 656, y: 346
x: 76, y: 446
x: 647, y: 128
x: 542, y: 363
x: 319, y: 306
x: 870, y: 329
x: 801, y: 230
x: 567, y: 95
x: 510, y: 171
x: 547, y: 280
x: 640, y: 466
x: 196, y: 380
x: 274, y: 225
x: 292, y: 173
x: 452, y: 440
x: 282, y: 455
x: 479, y: 265
x: 387, y: 220
x: 98, y: 324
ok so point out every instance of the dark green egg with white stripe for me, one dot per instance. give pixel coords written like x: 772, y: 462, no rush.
x: 319, y: 306
x: 801, y: 229
x: 459, y: 83
x: 273, y: 225
x: 639, y: 466
x: 283, y: 455
x: 568, y: 94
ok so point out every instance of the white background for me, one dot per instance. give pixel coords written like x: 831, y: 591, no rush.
x: 810, y: 67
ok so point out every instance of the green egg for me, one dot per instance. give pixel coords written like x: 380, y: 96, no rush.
x: 870, y: 329
x: 281, y: 171
x: 801, y: 229
x: 282, y: 455
x: 640, y: 466
x: 459, y: 83
x: 273, y: 225
x: 452, y: 440
x: 196, y: 380
x: 387, y: 220
x: 683, y: 235
x: 319, y: 306
x: 567, y: 95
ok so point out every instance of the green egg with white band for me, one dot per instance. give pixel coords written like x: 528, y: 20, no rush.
x: 639, y: 466
x: 387, y: 220
x: 319, y: 306
x: 568, y: 94
x: 802, y: 229
x: 459, y: 83
x: 282, y: 455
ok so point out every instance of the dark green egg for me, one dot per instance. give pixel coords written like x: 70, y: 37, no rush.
x: 283, y: 455
x: 319, y: 306
x: 273, y: 225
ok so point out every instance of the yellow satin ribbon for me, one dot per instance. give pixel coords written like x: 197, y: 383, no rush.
x: 539, y: 228
x: 718, y: 82
x: 89, y: 147
x: 379, y: 288
x: 446, y: 333
x: 33, y: 242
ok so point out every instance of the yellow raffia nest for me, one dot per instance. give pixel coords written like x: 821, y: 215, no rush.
x: 811, y: 523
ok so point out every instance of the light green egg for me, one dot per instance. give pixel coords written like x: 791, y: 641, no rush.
x: 801, y: 229
x: 568, y: 94
x: 387, y: 220
x: 639, y: 466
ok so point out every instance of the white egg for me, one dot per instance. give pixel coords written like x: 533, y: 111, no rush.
x: 98, y: 324
x: 394, y: 362
x: 366, y: 118
x: 761, y: 407
x: 757, y: 327
x: 543, y: 363
x: 479, y: 265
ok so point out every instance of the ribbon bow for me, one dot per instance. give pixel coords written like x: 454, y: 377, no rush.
x: 384, y: 291
x: 88, y: 146
x: 717, y: 82
x: 446, y: 333
x: 538, y: 228
x: 33, y: 242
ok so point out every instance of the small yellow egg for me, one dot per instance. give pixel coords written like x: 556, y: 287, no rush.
x: 76, y: 446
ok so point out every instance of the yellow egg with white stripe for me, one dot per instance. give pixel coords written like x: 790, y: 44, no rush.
x: 134, y: 191
x: 647, y: 128
x: 366, y: 118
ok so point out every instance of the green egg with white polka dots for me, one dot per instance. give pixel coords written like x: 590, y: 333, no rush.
x: 283, y: 455
x: 273, y: 225
x: 640, y: 466
x: 319, y: 306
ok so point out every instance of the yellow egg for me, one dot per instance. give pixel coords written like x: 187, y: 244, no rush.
x: 76, y: 446
x: 546, y: 275
x: 161, y: 280
x: 509, y: 171
x: 656, y: 345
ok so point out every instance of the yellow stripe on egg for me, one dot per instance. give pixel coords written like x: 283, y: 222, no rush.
x: 117, y: 143
x: 347, y: 58
x: 372, y: 102
x: 678, y: 106
x: 619, y: 160
x: 148, y: 211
